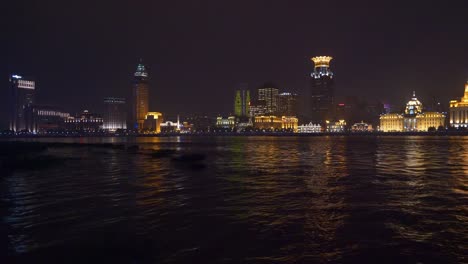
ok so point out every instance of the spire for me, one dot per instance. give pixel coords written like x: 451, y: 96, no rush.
x: 141, y: 70
x: 414, y: 93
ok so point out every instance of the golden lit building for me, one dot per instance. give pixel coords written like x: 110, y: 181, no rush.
x: 140, y: 97
x: 336, y: 127
x: 391, y: 123
x: 289, y: 123
x: 413, y: 120
x: 427, y: 120
x: 152, y: 122
x: 459, y: 111
x: 276, y: 123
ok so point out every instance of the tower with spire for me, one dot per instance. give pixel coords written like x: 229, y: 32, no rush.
x: 140, y: 96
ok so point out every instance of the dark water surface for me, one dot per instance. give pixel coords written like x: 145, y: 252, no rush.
x: 252, y: 200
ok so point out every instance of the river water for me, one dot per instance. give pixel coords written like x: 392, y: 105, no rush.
x: 252, y: 200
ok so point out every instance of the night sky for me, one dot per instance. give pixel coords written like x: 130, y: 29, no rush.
x: 199, y: 51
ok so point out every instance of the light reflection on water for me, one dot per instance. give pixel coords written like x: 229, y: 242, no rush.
x: 259, y: 199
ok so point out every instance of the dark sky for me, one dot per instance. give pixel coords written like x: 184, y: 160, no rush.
x: 199, y: 51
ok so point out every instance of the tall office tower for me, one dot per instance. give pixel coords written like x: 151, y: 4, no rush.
x: 269, y: 95
x: 22, y: 96
x: 140, y: 96
x: 242, y: 103
x: 114, y: 115
x: 287, y: 104
x: 322, y: 90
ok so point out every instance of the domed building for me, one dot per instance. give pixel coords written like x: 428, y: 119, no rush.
x: 412, y: 120
x: 413, y: 108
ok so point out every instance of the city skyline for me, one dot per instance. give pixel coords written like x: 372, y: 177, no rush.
x: 375, y: 56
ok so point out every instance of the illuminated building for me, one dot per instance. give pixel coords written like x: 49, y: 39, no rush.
x: 226, y: 123
x: 269, y: 94
x: 86, y: 121
x: 287, y: 104
x: 22, y: 96
x: 361, y: 127
x: 276, y: 123
x: 289, y: 123
x: 140, y: 97
x: 321, y: 90
x: 414, y: 119
x: 152, y: 122
x: 43, y: 118
x: 114, y: 116
x: 171, y: 127
x: 392, y: 122
x: 309, y: 128
x: 241, y: 103
x: 336, y: 127
x: 413, y: 108
x: 459, y: 111
x: 244, y: 126
x: 427, y: 120
x: 257, y: 108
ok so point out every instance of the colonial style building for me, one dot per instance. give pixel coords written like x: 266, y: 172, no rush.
x: 226, y: 123
x: 459, y: 111
x: 309, y: 128
x: 276, y: 123
x: 391, y: 122
x: 413, y: 120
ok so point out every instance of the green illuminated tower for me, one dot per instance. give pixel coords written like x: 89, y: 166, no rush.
x: 241, y: 103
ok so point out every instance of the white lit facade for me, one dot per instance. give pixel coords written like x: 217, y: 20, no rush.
x: 226, y: 123
x: 115, y: 115
x: 309, y: 128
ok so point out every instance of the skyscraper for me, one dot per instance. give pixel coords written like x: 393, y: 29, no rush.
x: 22, y: 96
x: 269, y: 94
x: 287, y: 104
x: 242, y: 103
x: 140, y: 97
x: 321, y: 90
x: 114, y: 116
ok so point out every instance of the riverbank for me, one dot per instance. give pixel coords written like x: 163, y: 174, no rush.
x: 276, y: 134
